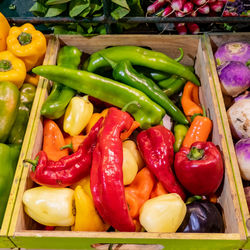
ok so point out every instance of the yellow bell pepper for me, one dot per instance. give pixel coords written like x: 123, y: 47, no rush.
x: 27, y: 43
x: 77, y: 115
x: 4, y: 31
x: 50, y: 206
x: 94, y: 118
x: 85, y: 184
x: 12, y: 69
x: 163, y: 213
x: 87, y: 218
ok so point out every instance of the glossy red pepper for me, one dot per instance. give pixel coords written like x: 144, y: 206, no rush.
x: 106, y: 176
x: 199, y: 168
x: 156, y: 147
x: 69, y: 169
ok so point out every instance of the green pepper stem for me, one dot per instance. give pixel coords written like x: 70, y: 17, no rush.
x: 204, y: 111
x: 111, y: 62
x: 130, y: 103
x: 24, y: 38
x: 32, y: 162
x: 5, y: 65
x: 193, y: 198
x: 195, y: 154
x: 70, y: 145
x: 181, y: 55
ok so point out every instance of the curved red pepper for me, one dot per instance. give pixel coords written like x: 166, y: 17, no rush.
x: 69, y: 169
x: 106, y: 177
x: 156, y: 146
x: 199, y: 168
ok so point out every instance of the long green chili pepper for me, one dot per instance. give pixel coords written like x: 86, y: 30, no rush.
x: 142, y: 57
x: 143, y: 109
x: 166, y: 83
x: 60, y: 95
x: 175, y: 87
x: 124, y: 72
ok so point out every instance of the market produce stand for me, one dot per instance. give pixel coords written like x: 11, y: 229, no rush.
x: 19, y: 230
x: 23, y: 232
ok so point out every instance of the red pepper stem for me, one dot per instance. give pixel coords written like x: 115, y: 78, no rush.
x: 67, y: 146
x: 32, y: 162
x: 195, y: 154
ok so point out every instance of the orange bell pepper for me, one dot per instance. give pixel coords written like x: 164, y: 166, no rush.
x: 139, y: 191
x: 53, y: 141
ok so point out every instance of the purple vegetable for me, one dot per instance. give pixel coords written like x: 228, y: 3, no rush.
x: 242, y: 148
x: 246, y: 95
x: 234, y: 77
x: 234, y: 51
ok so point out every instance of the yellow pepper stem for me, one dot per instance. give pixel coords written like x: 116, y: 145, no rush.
x: 5, y: 65
x: 24, y: 38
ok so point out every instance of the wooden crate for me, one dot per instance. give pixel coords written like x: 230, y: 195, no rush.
x: 25, y: 233
x: 4, y: 240
x: 212, y: 42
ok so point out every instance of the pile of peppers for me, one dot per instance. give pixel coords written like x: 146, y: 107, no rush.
x: 115, y: 166
x: 21, y: 49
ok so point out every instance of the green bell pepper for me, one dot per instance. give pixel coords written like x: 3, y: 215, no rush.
x: 9, y: 156
x: 60, y: 95
x: 9, y: 101
x: 142, y: 57
x: 143, y: 109
x: 27, y: 94
x: 124, y: 72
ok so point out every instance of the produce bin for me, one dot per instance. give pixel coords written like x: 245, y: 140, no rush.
x: 26, y: 233
x: 213, y: 41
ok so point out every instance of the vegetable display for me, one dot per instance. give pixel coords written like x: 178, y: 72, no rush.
x: 115, y: 147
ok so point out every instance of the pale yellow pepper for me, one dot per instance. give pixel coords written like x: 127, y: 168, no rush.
x: 77, y: 115
x: 87, y: 218
x: 12, y: 69
x: 132, y: 147
x: 50, y: 206
x: 129, y: 166
x: 163, y: 214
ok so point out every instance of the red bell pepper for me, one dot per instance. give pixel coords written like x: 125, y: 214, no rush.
x: 199, y: 168
x: 69, y: 169
x: 156, y: 147
x: 106, y: 177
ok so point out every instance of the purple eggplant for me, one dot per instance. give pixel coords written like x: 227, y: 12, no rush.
x: 202, y: 217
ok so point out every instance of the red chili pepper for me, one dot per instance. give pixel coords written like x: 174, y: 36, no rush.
x: 106, y: 176
x: 69, y: 169
x: 156, y: 146
x: 199, y: 168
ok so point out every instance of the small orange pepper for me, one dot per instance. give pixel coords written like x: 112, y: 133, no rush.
x: 53, y: 141
x: 190, y: 100
x: 74, y: 142
x: 125, y: 135
x: 139, y: 191
x: 31, y: 79
x: 158, y: 190
x: 199, y: 130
